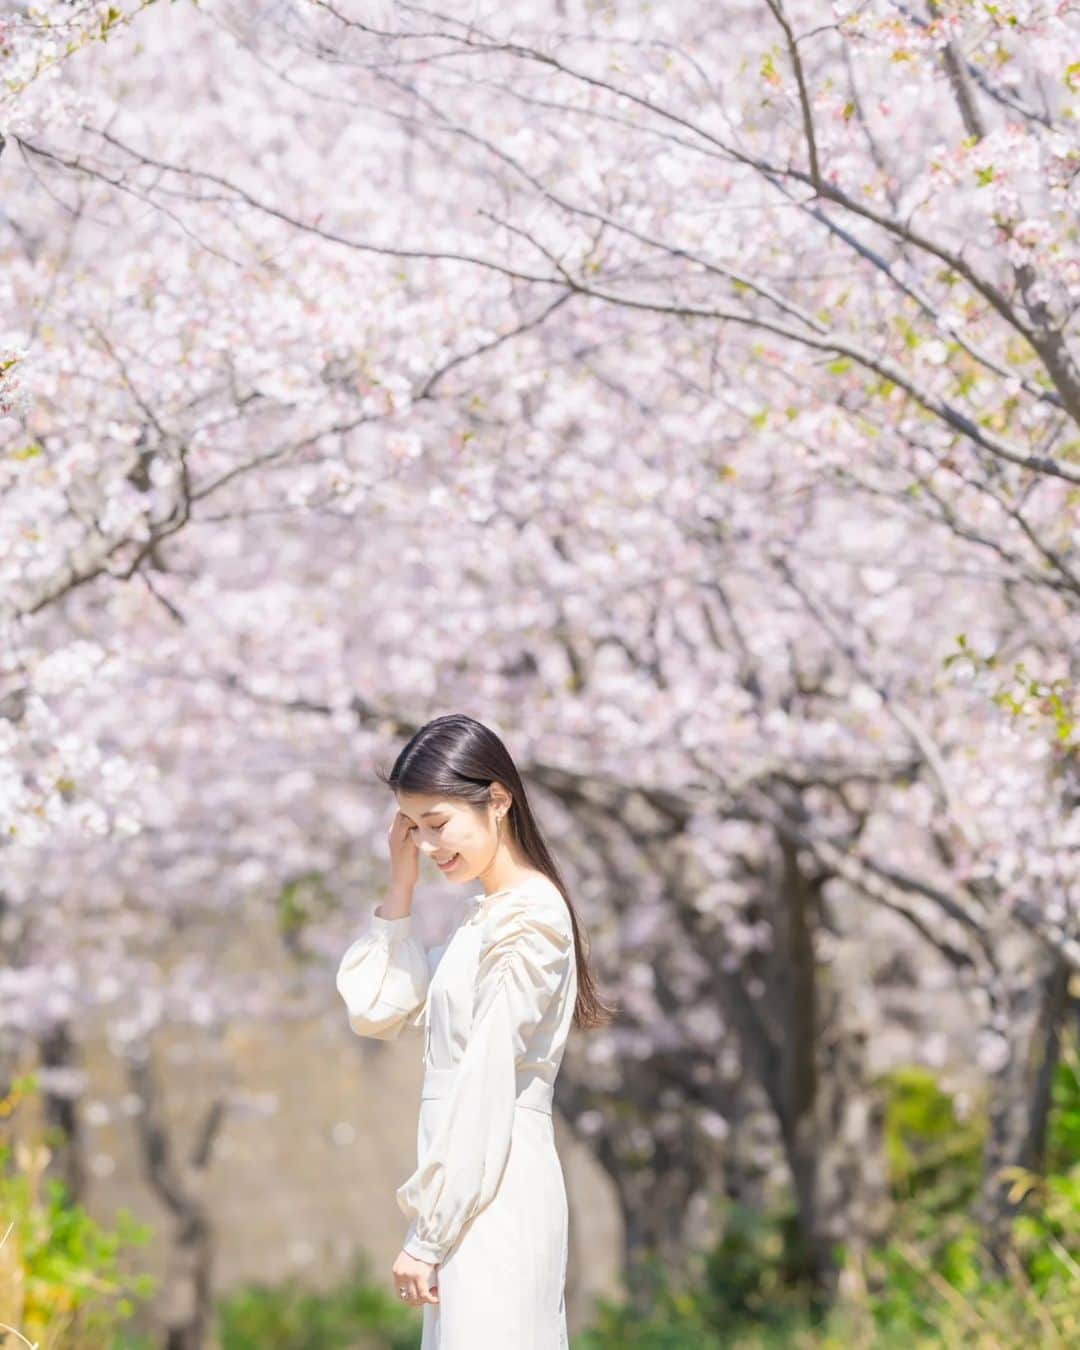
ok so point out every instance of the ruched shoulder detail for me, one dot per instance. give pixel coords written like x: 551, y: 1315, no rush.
x: 525, y: 941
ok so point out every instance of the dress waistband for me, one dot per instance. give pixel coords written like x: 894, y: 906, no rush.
x: 531, y: 1091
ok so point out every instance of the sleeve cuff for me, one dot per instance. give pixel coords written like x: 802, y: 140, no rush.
x: 422, y: 1251
x: 392, y: 927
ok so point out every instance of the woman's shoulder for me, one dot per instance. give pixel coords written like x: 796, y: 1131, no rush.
x: 532, y: 905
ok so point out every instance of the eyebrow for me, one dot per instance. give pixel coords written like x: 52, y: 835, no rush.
x: 436, y: 810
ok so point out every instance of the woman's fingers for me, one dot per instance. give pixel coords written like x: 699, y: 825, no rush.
x: 420, y: 1285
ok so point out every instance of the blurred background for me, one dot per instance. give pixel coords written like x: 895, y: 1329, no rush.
x: 691, y: 395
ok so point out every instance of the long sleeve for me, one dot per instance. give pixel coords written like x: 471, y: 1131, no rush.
x: 525, y: 950
x: 383, y: 977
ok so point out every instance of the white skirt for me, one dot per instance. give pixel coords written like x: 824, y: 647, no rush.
x: 502, y: 1285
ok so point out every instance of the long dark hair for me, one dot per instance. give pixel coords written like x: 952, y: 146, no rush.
x: 456, y: 756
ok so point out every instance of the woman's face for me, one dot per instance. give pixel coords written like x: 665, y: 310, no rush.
x: 449, y: 830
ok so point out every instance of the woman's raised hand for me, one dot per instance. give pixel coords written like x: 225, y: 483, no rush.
x: 404, y: 857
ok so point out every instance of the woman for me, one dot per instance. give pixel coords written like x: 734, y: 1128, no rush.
x: 487, y: 1202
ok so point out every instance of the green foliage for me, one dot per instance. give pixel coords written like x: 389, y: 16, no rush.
x: 300, y: 900
x: 1050, y: 706
x: 61, y: 1277
x: 932, y: 1154
x: 354, y: 1315
x: 1063, y: 1143
x: 749, y: 1283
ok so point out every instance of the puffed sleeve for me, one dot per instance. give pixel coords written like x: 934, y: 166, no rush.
x: 383, y: 977
x: 526, y: 947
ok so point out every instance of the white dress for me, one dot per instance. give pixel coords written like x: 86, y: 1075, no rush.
x: 487, y: 1201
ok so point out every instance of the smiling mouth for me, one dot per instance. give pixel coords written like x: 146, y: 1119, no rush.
x: 449, y: 862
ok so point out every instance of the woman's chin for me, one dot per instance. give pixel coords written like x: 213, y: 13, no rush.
x: 457, y: 871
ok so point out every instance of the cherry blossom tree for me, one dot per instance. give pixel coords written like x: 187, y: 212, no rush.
x: 675, y: 396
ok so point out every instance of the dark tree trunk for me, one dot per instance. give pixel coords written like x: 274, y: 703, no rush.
x: 57, y: 1050
x: 1029, y: 1001
x: 654, y: 1192
x: 187, y: 1296
x: 810, y: 1051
